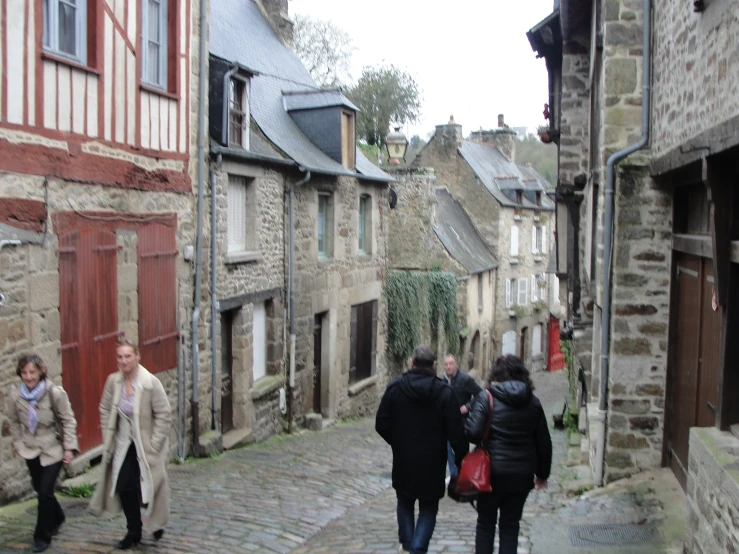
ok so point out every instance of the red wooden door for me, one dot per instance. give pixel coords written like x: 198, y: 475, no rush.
x: 88, y: 310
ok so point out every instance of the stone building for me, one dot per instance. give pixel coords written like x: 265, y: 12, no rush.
x: 510, y: 206
x: 277, y: 139
x: 97, y: 212
x: 447, y: 239
x: 656, y: 318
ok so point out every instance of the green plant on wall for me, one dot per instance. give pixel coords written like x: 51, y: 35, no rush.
x: 518, y: 311
x: 540, y: 306
x: 442, y: 295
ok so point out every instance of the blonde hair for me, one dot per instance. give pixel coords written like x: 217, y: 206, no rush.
x: 123, y: 341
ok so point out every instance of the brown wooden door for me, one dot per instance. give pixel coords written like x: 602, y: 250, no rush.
x: 227, y: 357
x: 317, y: 340
x: 523, y: 346
x: 695, y: 358
x: 88, y: 308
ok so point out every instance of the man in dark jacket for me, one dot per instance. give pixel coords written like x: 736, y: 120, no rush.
x: 417, y: 416
x: 465, y: 389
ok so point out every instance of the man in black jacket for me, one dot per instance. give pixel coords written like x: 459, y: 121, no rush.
x: 465, y: 389
x: 417, y: 416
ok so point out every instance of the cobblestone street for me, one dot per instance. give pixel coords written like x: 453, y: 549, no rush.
x: 311, y: 493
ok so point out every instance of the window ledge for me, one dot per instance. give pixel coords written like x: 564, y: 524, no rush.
x: 514, y: 261
x: 538, y: 259
x: 537, y: 218
x: 325, y: 261
x: 356, y: 388
x: 266, y: 385
x: 242, y: 257
x: 66, y: 61
x: 159, y: 91
x: 364, y: 257
x: 516, y: 217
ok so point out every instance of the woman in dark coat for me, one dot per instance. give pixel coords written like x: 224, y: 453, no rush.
x: 520, y: 451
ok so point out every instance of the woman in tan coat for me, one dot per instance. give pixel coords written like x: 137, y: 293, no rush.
x: 136, y: 421
x: 44, y: 432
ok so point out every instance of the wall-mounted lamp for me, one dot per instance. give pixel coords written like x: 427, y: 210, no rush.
x: 699, y: 5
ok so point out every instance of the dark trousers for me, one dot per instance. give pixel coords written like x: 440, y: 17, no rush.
x: 128, y: 488
x: 50, y: 513
x: 415, y: 534
x: 510, y: 506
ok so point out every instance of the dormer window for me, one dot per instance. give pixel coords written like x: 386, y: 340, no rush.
x: 519, y: 197
x: 348, y: 140
x: 238, y: 113
x: 538, y: 199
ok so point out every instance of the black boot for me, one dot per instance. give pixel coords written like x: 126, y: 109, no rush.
x: 158, y: 534
x: 128, y: 541
x: 39, y: 545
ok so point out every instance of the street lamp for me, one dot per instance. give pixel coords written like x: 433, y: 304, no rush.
x: 396, y: 145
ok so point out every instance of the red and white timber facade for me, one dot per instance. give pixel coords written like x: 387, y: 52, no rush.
x: 98, y: 112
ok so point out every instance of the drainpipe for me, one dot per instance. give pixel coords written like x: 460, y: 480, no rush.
x: 213, y: 299
x: 291, y: 293
x: 224, y: 112
x: 199, y: 244
x: 605, y: 331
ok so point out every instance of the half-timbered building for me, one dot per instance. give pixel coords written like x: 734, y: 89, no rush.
x: 97, y: 213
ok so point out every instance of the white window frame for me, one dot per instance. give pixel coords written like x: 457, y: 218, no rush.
x: 364, y: 234
x: 514, y: 241
x: 534, y: 289
x: 236, y: 223
x: 322, y: 226
x: 534, y: 243
x: 510, y: 285
x: 163, y: 43
x: 245, y: 112
x: 536, y: 344
x: 523, y: 288
x: 259, y: 339
x: 543, y: 288
x: 51, y: 29
x: 543, y: 240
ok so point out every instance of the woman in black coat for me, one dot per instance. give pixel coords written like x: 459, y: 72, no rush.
x: 520, y: 451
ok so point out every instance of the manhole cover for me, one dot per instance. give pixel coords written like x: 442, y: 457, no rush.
x: 71, y: 509
x: 614, y: 535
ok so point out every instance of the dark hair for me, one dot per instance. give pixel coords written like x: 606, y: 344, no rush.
x: 423, y: 357
x: 123, y: 341
x: 34, y: 359
x: 510, y: 368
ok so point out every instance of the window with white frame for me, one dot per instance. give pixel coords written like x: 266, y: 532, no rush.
x: 154, y: 41
x: 523, y: 288
x: 514, y: 241
x: 541, y: 282
x: 534, y: 289
x: 65, y: 28
x: 238, y: 113
x: 324, y: 225
x: 536, y: 340
x: 509, y: 343
x: 242, y: 215
x: 259, y: 339
x: 479, y: 292
x: 538, y: 240
x: 364, y: 229
x: 510, y: 292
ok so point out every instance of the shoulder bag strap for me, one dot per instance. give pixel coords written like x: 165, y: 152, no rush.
x: 490, y: 418
x: 59, y: 426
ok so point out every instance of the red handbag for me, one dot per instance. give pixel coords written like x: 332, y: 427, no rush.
x: 474, y: 475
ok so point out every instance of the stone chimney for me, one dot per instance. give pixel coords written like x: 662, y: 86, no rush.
x: 503, y: 138
x: 277, y: 13
x: 449, y: 135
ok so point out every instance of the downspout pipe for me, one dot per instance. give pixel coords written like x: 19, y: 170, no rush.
x: 224, y: 113
x: 213, y: 299
x: 605, y: 332
x: 291, y: 291
x: 199, y: 239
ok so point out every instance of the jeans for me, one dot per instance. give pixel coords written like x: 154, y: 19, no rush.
x: 50, y: 513
x: 415, y: 534
x: 128, y: 488
x: 451, y: 461
x: 510, y: 506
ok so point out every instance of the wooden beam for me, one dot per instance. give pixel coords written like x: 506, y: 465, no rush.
x: 697, y: 245
x: 720, y: 200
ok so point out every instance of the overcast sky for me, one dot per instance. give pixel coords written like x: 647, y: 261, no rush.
x: 470, y: 58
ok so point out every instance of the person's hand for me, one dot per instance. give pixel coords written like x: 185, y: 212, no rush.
x: 464, y: 410
x: 68, y: 457
x: 540, y: 483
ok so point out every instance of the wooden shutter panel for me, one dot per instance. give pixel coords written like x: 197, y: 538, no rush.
x: 508, y: 301
x: 236, y: 221
x: 543, y: 239
x: 514, y: 241
x: 157, y: 287
x: 534, y: 297
x: 522, y: 288
x: 353, y: 345
x: 373, y: 353
x: 533, y: 240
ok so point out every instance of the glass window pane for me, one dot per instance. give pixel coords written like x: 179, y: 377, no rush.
x: 322, y: 209
x: 47, y: 23
x: 153, y: 21
x: 362, y: 223
x: 67, y: 29
x: 152, y: 70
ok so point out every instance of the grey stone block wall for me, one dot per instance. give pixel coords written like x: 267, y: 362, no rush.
x: 713, y: 493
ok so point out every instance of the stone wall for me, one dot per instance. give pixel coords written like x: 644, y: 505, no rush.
x: 713, y: 493
x: 574, y: 142
x: 331, y: 286
x: 696, y: 79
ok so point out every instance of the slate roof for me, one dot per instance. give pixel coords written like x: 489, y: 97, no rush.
x: 240, y: 33
x: 503, y: 178
x: 323, y: 98
x: 460, y: 236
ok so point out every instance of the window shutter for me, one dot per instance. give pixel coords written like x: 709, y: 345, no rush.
x: 555, y: 286
x: 236, y: 213
x: 353, y: 345
x: 543, y: 239
x: 533, y: 240
x: 508, y: 293
x: 536, y: 341
x: 514, y: 241
x: 259, y: 341
x: 534, y: 296
x: 523, y: 285
x: 373, y: 353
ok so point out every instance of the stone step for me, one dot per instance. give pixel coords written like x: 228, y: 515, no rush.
x: 237, y: 437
